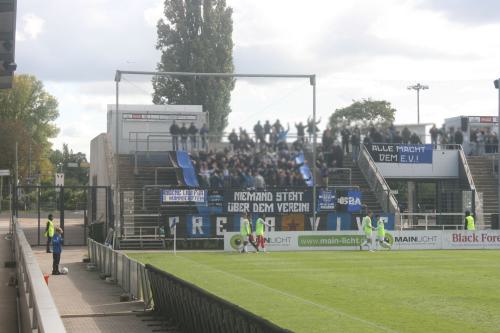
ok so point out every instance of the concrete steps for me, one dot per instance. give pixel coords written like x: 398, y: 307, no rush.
x: 358, y: 179
x: 485, y: 180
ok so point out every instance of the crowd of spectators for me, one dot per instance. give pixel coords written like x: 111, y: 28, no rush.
x: 268, y: 157
x: 247, y: 169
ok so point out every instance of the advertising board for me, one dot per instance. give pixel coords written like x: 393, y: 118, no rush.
x: 350, y: 240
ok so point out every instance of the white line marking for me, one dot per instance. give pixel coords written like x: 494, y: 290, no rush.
x: 324, y: 307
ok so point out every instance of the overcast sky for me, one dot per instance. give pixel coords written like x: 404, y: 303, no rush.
x: 357, y: 48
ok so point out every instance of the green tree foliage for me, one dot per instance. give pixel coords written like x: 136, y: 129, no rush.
x: 196, y: 36
x: 27, y: 113
x: 364, y: 113
x: 70, y: 164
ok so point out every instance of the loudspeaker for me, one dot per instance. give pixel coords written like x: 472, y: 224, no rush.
x: 465, y: 123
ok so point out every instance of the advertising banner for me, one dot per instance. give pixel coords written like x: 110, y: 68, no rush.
x: 301, y: 241
x: 187, y: 195
x: 462, y: 239
x: 287, y: 202
x: 415, y: 240
x: 400, y: 153
x: 350, y: 240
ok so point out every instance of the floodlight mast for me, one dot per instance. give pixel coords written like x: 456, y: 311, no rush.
x: 312, y: 82
x: 497, y: 86
x: 418, y: 87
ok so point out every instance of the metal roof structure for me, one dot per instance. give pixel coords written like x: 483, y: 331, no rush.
x: 8, y: 9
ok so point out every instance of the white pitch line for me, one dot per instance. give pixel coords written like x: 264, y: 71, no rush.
x: 324, y: 307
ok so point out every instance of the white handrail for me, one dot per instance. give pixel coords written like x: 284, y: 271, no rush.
x: 36, y: 299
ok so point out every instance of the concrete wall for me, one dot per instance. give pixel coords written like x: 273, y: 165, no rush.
x: 101, y: 172
x: 445, y: 164
x: 137, y: 122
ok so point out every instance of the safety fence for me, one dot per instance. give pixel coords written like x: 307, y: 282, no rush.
x: 432, y: 221
x: 38, y: 310
x: 196, y: 310
x: 129, y: 274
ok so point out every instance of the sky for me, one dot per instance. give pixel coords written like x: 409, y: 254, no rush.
x: 358, y: 49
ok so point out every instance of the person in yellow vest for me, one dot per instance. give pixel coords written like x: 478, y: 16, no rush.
x: 49, y: 231
x: 469, y: 221
x: 259, y: 232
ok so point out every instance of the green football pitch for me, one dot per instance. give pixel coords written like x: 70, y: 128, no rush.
x: 348, y: 291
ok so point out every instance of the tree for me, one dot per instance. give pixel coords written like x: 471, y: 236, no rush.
x: 27, y: 113
x: 364, y: 113
x: 196, y: 37
x: 70, y: 164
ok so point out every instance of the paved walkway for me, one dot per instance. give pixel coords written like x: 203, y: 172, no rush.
x: 8, y: 306
x: 87, y: 303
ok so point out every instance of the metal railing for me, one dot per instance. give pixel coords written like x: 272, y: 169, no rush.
x: 129, y: 274
x: 141, y: 232
x: 465, y: 168
x: 196, y: 310
x: 429, y: 221
x: 377, y: 182
x: 38, y: 310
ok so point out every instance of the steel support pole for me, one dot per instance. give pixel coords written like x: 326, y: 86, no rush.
x: 313, y: 164
x: 498, y: 152
x: 117, y: 223
x: 418, y: 106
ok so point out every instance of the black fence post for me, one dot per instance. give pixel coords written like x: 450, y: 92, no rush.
x: 39, y: 196
x: 61, y: 207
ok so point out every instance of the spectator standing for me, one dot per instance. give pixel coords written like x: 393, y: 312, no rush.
x: 259, y: 181
x: 415, y: 139
x: 406, y: 135
x: 338, y: 156
x: 480, y: 142
x: 434, y: 136
x: 458, y: 137
x: 233, y: 139
x: 346, y: 134
x: 184, y: 136
x: 473, y: 142
x: 355, y: 142
x: 311, y: 126
x: 267, y: 129
x: 494, y: 143
x: 259, y: 133
x: 300, y: 131
x: 203, y: 135
x: 174, y: 132
x: 193, y: 132
x: 57, y: 250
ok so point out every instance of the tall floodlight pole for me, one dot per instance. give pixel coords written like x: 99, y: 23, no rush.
x: 497, y: 86
x: 418, y: 87
x: 117, y: 219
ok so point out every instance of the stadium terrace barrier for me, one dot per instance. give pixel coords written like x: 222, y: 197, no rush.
x: 38, y: 310
x: 129, y: 274
x: 429, y: 221
x: 196, y: 310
